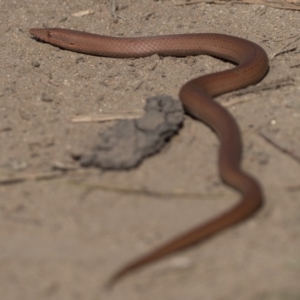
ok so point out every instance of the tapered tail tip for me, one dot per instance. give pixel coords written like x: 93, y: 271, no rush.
x: 115, y: 278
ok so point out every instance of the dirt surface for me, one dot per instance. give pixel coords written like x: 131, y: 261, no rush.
x: 66, y: 229
x: 126, y: 144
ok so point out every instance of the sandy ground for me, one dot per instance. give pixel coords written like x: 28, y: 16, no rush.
x: 62, y: 238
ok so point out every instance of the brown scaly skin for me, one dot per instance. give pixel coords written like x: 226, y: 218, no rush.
x: 196, y: 96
